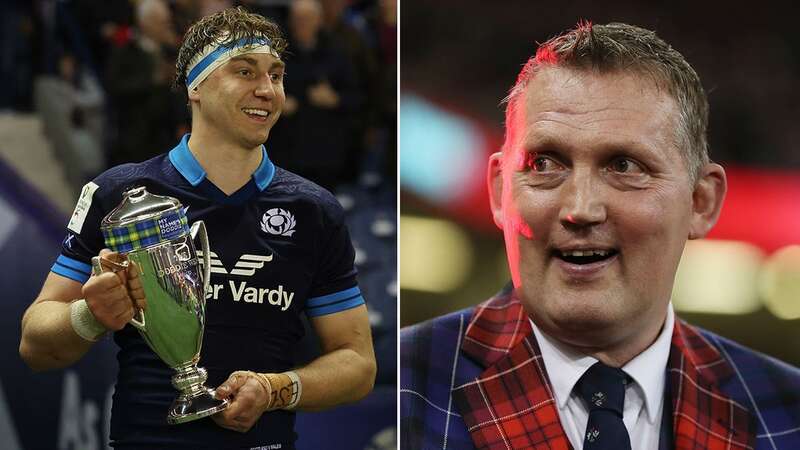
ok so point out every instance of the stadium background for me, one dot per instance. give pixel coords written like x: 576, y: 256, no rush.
x: 459, y: 58
x: 84, y: 84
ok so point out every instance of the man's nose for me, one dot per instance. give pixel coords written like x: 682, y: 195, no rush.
x: 265, y: 88
x: 582, y: 201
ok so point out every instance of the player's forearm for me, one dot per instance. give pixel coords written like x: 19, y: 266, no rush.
x: 48, y: 339
x: 341, y: 376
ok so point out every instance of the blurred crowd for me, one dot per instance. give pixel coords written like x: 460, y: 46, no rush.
x: 100, y: 72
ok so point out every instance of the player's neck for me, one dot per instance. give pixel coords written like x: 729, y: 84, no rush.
x: 227, y: 165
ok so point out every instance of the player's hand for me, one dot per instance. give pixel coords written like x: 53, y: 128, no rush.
x: 107, y: 295
x: 248, y: 400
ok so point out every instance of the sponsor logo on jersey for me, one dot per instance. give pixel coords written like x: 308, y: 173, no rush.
x: 240, y: 291
x: 245, y: 266
x: 82, y: 207
x: 279, y: 222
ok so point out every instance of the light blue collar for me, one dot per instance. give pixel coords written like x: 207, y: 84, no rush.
x: 184, y: 161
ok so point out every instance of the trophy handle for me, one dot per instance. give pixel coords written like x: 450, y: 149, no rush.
x: 201, y: 226
x: 97, y: 268
x: 138, y: 319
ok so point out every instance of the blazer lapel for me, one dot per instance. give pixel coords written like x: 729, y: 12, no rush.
x: 510, y: 405
x: 704, y: 417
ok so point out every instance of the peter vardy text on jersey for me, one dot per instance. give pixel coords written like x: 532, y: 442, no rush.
x: 241, y: 292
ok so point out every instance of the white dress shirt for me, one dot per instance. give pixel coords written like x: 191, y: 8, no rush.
x: 644, y: 398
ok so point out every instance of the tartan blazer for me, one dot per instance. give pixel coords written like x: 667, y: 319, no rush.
x: 475, y: 379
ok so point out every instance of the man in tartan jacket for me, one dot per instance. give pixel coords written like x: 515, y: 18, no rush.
x: 603, y: 176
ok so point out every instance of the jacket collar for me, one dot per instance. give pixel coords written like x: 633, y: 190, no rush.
x: 511, y: 403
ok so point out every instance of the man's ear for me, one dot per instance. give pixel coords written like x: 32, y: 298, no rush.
x: 707, y: 198
x: 193, y: 94
x: 494, y: 181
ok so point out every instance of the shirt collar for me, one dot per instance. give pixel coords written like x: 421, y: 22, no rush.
x: 648, y: 369
x: 185, y: 163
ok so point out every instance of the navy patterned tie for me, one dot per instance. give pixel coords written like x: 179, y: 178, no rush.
x: 603, y: 389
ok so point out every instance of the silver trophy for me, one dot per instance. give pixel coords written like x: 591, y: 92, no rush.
x: 152, y: 232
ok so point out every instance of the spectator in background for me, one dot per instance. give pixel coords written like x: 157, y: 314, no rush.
x: 278, y: 10
x: 317, y: 134
x: 363, y: 59
x: 184, y: 14
x: 149, y: 115
x: 71, y: 107
x: 381, y: 140
x: 386, y: 31
x: 18, y: 37
x: 103, y: 24
x: 377, y: 23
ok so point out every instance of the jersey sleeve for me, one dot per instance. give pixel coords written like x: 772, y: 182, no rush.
x: 335, y: 288
x: 84, y: 239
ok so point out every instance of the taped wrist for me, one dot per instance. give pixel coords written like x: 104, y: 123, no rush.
x: 265, y: 383
x: 84, y: 323
x: 286, y: 390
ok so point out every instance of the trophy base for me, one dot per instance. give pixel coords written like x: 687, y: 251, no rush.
x: 187, y: 408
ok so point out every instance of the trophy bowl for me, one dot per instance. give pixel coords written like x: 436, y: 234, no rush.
x: 151, y: 232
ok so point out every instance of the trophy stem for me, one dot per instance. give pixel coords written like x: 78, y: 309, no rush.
x: 189, y: 378
x: 195, y: 400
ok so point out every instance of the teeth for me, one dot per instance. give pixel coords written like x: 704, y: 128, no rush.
x: 258, y: 112
x: 586, y: 252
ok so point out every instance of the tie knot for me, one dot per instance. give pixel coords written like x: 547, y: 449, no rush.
x: 603, y: 387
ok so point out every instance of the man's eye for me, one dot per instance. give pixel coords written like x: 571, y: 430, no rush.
x: 625, y: 165
x: 276, y: 76
x: 244, y: 72
x: 539, y: 163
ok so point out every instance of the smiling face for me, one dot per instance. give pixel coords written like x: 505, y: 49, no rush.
x: 240, y: 101
x: 596, y: 204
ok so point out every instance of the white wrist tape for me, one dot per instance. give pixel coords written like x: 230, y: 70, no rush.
x: 84, y: 323
x: 297, y: 390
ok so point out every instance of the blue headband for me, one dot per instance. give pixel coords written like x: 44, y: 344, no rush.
x: 216, y: 54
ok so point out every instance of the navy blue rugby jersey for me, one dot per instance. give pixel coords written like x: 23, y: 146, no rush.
x: 279, y: 248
